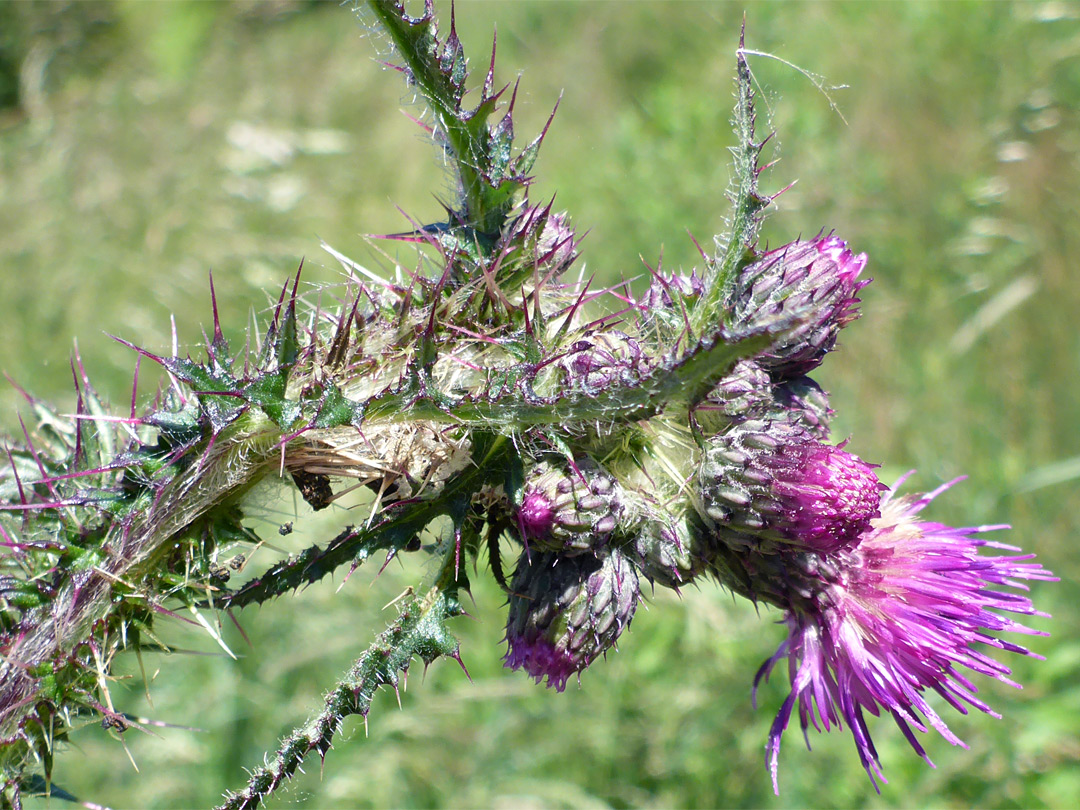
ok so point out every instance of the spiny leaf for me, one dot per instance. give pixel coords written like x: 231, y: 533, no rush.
x: 491, y: 177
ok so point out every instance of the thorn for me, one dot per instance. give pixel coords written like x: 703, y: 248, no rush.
x: 79, y: 409
x: 218, y: 337
x: 525, y: 312
x: 456, y: 655
x: 489, y: 80
x: 214, y: 634
x: 405, y: 594
x: 236, y: 623
x: 389, y: 556
x: 335, y: 356
x: 272, y: 330
x: 134, y: 386
x: 513, y: 100
x: 571, y: 312
x: 430, y: 130
x: 543, y: 133
x: 700, y: 249
x: 41, y: 467
x: 772, y: 197
x: 143, y: 352
x: 20, y: 389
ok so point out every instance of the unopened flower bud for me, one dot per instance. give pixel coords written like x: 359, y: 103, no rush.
x: 776, y: 479
x: 766, y: 570
x: 802, y: 402
x: 815, y: 278
x: 550, y: 235
x: 568, y: 510
x: 567, y: 611
x: 666, y: 292
x: 673, y: 552
x: 603, y: 359
x: 745, y: 393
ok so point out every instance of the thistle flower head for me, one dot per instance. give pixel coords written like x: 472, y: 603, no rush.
x: 603, y: 359
x: 570, y: 511
x: 567, y: 611
x: 549, y: 234
x: 672, y: 552
x: 802, y: 401
x: 818, y: 277
x: 777, y: 479
x: 894, y: 617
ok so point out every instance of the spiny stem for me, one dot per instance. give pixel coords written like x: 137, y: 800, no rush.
x: 392, y: 533
x: 746, y: 203
x: 418, y: 631
x: 683, y: 380
x: 414, y: 39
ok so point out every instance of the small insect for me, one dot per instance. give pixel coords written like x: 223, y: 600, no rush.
x: 285, y: 528
x: 315, y: 489
x: 115, y: 721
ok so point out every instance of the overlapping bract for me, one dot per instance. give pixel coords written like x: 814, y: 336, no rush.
x: 565, y: 612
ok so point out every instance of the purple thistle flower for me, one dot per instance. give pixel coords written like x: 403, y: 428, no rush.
x: 893, y: 617
x: 818, y: 277
x: 567, y: 611
x: 775, y: 478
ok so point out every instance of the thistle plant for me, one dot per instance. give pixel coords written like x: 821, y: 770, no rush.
x: 483, y: 387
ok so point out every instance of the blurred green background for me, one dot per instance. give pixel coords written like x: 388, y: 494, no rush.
x: 142, y: 144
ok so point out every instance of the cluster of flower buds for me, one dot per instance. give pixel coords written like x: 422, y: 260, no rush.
x: 880, y: 606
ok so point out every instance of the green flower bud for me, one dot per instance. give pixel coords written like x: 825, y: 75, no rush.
x: 673, y: 552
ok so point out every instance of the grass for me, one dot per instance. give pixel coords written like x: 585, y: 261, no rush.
x: 159, y: 141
